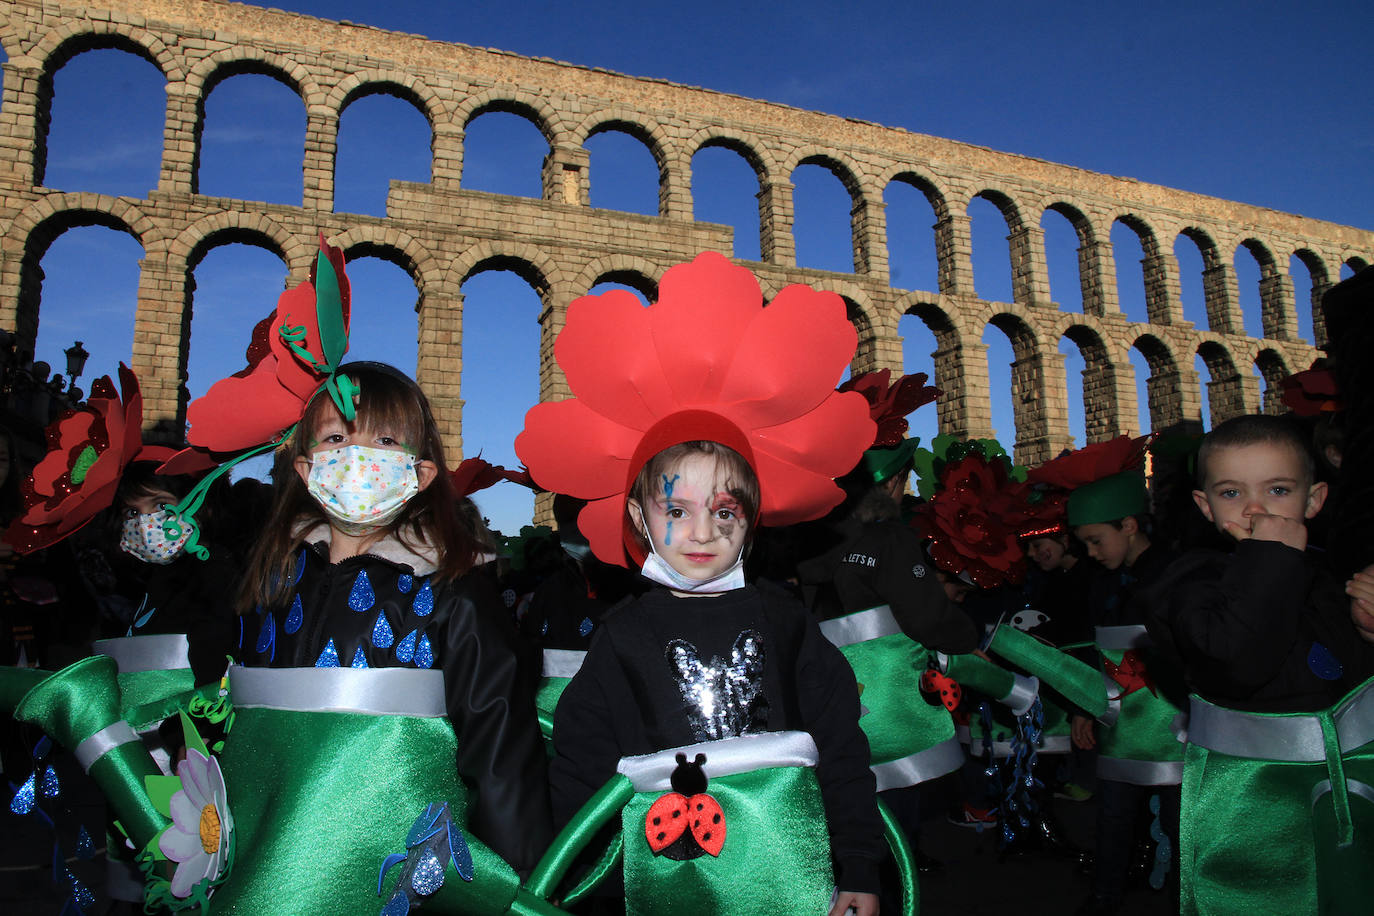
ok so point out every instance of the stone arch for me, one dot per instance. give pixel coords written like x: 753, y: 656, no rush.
x: 1216, y: 282
x: 828, y: 160
x: 398, y: 85
x: 11, y: 41
x: 1274, y: 368
x: 1278, y: 320
x: 928, y: 186
x: 641, y: 128
x: 635, y: 272
x: 1091, y: 289
x: 1226, y: 390
x: 948, y: 369
x: 1010, y: 210
x: 1355, y: 262
x: 1321, y: 282
x: 240, y: 59
x: 1103, y: 376
x: 397, y: 248
x: 1167, y: 400
x: 1082, y: 225
x: 199, y: 238
x: 528, y: 262
x: 1035, y: 428
x: 513, y: 100
x: 755, y: 151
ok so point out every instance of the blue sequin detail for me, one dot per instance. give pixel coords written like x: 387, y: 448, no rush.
x: 83, y: 895
x: 85, y: 849
x: 50, y: 784
x: 424, y: 655
x: 1324, y: 664
x: 267, y: 635
x: 404, y: 582
x: 382, y: 637
x: 398, y: 905
x: 329, y: 657
x: 361, y: 598
x: 428, y: 876
x: 459, y: 853
x: 405, y: 649
x: 585, y: 627
x: 424, y: 600
x: 294, y: 617
x: 359, y: 660
x: 22, y: 803
x: 300, y: 565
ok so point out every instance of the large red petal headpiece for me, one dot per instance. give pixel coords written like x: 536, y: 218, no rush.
x: 1091, y: 463
x: 707, y: 361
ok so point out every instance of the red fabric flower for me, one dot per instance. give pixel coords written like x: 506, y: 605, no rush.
x: 88, y: 449
x: 889, y: 405
x: 474, y: 474
x: 1312, y: 392
x: 707, y: 361
x: 1090, y: 463
x: 974, y: 520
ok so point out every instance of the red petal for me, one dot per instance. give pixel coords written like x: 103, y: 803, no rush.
x: 666, y: 820
x: 587, y: 473
x: 613, y: 329
x: 243, y: 411
x: 708, y: 822
x: 699, y: 322
x: 1093, y: 462
x: 602, y: 523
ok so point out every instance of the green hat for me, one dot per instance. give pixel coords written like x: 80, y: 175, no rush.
x: 885, y: 463
x: 1113, y: 497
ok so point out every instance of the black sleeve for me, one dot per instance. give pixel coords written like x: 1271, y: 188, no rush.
x: 828, y: 701
x: 909, y: 584
x: 500, y: 751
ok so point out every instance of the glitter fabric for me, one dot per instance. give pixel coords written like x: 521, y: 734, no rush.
x: 424, y: 600
x: 585, y: 627
x: 405, y: 649
x: 267, y: 633
x: 404, y: 582
x: 359, y: 660
x: 85, y: 848
x: 424, y: 655
x: 50, y: 784
x: 294, y: 617
x: 362, y: 597
x: 1323, y: 663
x: 398, y: 905
x: 329, y: 656
x: 80, y: 892
x: 428, y: 876
x: 382, y: 637
x: 723, y: 699
x: 22, y: 803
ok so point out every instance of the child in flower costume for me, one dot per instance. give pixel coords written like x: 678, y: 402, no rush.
x: 693, y: 421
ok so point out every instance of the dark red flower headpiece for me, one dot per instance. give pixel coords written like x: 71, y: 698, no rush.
x: 1312, y: 392
x: 475, y: 474
x: 88, y: 450
x: 889, y: 405
x: 707, y: 361
x: 1091, y: 463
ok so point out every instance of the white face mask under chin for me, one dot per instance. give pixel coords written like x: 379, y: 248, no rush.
x: 656, y: 569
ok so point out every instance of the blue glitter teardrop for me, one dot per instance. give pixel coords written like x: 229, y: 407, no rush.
x: 300, y: 565
x: 405, y: 649
x: 585, y: 627
x: 50, y: 784
x: 428, y: 876
x: 404, y: 583
x: 1324, y: 664
x: 85, y: 849
x: 424, y: 600
x: 459, y: 853
x: 398, y: 905
x: 294, y: 617
x: 84, y: 898
x: 329, y: 656
x: 22, y: 803
x: 423, y: 827
x: 424, y: 655
x: 359, y: 660
x: 40, y: 750
x: 361, y: 598
x: 382, y: 637
x: 267, y: 635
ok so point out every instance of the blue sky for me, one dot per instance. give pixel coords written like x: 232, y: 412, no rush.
x: 1255, y: 102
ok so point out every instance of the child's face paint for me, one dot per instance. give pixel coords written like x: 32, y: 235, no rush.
x: 696, y: 526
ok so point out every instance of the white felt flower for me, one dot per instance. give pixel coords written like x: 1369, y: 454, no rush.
x: 198, y: 840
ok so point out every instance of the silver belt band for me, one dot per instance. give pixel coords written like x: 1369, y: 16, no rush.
x: 563, y: 662
x: 102, y: 742
x: 922, y: 766
x: 163, y: 652
x: 861, y: 626
x: 726, y: 757
x: 1049, y: 744
x: 1128, y: 637
x: 1288, y: 738
x: 1141, y: 772
x: 1023, y: 692
x: 1354, y: 786
x: 370, y: 691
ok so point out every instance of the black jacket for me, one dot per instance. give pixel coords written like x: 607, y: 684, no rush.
x: 491, y: 706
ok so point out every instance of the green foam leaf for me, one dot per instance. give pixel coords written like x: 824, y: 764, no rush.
x: 329, y: 312
x: 82, y: 466
x: 160, y: 790
x: 193, y: 739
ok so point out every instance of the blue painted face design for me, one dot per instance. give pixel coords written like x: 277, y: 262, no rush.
x: 668, y: 495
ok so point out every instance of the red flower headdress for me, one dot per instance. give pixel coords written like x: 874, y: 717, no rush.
x: 889, y: 405
x: 1091, y: 463
x: 707, y: 361
x: 475, y: 474
x: 1313, y: 391
x: 88, y: 450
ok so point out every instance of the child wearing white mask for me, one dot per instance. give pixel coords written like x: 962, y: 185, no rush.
x: 364, y: 563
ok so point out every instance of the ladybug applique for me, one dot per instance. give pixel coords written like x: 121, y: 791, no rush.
x: 940, y: 689
x: 1131, y: 674
x: 686, y: 822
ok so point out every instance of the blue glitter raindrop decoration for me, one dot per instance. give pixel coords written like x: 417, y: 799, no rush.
x: 585, y: 627
x: 459, y: 853
x: 405, y: 649
x: 22, y: 803
x: 267, y: 635
x: 424, y: 600
x: 398, y: 905
x: 404, y: 582
x: 382, y: 637
x: 359, y: 660
x: 50, y: 784
x: 329, y: 657
x: 428, y: 876
x: 424, y: 655
x: 85, y: 849
x: 300, y: 565
x: 82, y: 894
x: 361, y: 598
x: 294, y: 617
x: 1324, y: 663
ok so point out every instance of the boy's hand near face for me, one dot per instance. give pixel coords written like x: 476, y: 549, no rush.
x: 1360, y: 588
x: 1290, y: 531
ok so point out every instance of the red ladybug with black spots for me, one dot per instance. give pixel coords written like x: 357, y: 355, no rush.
x: 685, y: 823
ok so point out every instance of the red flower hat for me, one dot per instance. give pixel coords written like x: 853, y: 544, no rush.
x: 707, y: 361
x: 1091, y: 463
x: 890, y: 404
x: 88, y: 450
x: 1312, y: 392
x: 475, y: 474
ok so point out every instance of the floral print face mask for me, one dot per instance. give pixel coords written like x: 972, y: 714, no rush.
x: 361, y: 487
x: 144, y: 537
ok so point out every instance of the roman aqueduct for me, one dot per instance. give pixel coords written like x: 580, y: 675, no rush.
x: 441, y: 233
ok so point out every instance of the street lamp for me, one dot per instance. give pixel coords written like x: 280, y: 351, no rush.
x: 76, y: 360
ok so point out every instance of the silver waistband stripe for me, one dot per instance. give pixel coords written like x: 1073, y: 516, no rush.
x: 563, y: 662
x: 1122, y: 638
x: 1284, y: 737
x: 369, y: 691
x: 1141, y: 772
x: 104, y: 741
x: 162, y: 652
x: 922, y: 766
x: 861, y: 626
x: 727, y: 757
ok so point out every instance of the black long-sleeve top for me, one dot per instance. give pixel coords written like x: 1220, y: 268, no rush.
x: 490, y: 704
x: 1244, y: 626
x: 626, y: 701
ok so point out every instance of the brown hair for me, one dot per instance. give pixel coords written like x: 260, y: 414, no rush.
x: 387, y: 401
x: 740, y: 480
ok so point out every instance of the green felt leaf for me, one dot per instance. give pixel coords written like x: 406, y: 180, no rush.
x: 329, y: 313
x: 193, y: 739
x: 82, y: 466
x: 160, y: 790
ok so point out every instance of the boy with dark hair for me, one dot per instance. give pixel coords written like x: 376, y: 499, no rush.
x: 1261, y: 630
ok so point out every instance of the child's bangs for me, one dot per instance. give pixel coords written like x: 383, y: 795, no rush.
x: 386, y: 404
